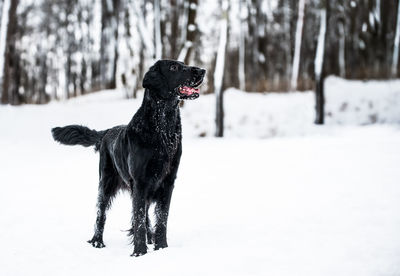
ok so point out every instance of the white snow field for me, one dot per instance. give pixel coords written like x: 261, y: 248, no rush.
x: 310, y: 201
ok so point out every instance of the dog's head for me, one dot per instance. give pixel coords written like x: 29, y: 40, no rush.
x: 169, y: 79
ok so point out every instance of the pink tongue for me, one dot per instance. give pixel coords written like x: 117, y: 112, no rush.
x: 189, y: 90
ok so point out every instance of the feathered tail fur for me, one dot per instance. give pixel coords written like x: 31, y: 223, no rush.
x: 78, y: 135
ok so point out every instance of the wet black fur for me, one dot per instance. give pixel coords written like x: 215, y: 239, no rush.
x: 142, y: 157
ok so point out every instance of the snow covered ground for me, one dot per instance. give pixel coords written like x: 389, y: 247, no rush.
x: 310, y: 201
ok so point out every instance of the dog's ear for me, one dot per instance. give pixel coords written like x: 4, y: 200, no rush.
x: 153, y: 79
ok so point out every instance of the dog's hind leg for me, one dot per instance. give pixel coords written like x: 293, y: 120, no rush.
x: 108, y: 187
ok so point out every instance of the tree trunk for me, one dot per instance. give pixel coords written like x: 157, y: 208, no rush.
x: 219, y: 71
x: 395, y: 59
x: 10, y: 91
x: 288, y: 41
x: 342, y: 50
x: 242, y: 50
x: 297, y: 49
x: 144, y: 32
x: 157, y: 29
x: 191, y: 32
x: 109, y: 43
x: 3, y: 42
x: 319, y: 65
x: 320, y: 100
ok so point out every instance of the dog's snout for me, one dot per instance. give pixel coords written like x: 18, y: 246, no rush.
x: 198, y: 71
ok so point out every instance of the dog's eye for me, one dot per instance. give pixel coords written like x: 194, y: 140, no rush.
x: 173, y: 67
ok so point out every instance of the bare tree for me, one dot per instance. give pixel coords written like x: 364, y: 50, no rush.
x: 109, y: 42
x: 157, y: 29
x: 319, y: 64
x: 9, y: 85
x: 297, y: 49
x: 191, y: 31
x: 219, y: 70
x: 396, y: 44
x: 242, y: 46
x: 5, y: 8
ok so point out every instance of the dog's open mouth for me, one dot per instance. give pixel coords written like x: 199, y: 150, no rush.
x: 190, y: 91
x: 187, y: 92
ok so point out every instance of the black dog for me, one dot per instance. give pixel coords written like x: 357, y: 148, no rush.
x: 143, y: 156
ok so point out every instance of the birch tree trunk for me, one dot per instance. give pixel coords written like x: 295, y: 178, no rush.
x: 219, y: 71
x: 3, y: 39
x: 157, y: 29
x: 9, y: 89
x: 190, y: 31
x: 319, y: 74
x: 109, y: 43
x: 297, y: 49
x: 342, y: 50
x: 288, y: 41
x: 242, y: 49
x: 144, y: 32
x: 395, y: 59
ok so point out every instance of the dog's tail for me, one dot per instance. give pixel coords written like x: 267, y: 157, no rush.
x: 78, y: 135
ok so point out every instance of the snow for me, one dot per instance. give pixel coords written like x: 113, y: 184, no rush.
x: 377, y: 11
x: 372, y: 19
x: 311, y: 201
x: 191, y: 27
x: 364, y: 27
x: 193, y: 6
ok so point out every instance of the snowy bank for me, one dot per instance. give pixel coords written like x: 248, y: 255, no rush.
x: 292, y: 114
x: 251, y: 115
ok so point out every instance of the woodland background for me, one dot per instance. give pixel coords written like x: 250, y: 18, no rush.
x: 58, y: 49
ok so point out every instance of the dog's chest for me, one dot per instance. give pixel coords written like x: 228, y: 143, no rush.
x: 165, y: 151
x: 159, y: 166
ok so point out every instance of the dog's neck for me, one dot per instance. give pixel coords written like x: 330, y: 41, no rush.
x: 157, y: 117
x: 156, y: 104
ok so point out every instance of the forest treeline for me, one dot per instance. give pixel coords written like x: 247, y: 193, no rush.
x: 57, y: 49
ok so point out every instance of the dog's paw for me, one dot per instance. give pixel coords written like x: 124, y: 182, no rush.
x: 96, y: 243
x: 139, y: 252
x: 160, y: 246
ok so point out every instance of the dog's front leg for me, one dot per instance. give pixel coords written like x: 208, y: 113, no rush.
x: 139, y: 222
x: 162, y: 210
